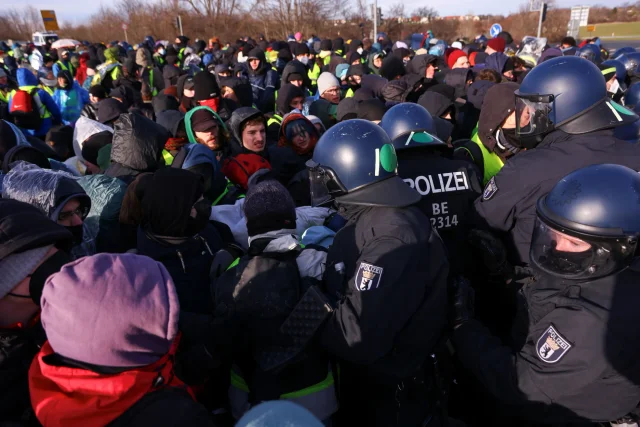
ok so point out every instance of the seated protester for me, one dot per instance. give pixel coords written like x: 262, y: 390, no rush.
x: 354, y: 76
x: 49, y: 111
x: 460, y: 79
x: 47, y: 82
x: 207, y: 94
x: 70, y: 98
x: 405, y: 89
x: 110, y: 71
x: 290, y: 97
x: 502, y: 64
x: 425, y: 66
x: 353, y: 58
x: 295, y: 73
x: 298, y: 138
x: 370, y: 87
x: 96, y: 94
x: 84, y: 130
x: 347, y: 110
x: 221, y: 71
x: 375, y: 62
x: 325, y: 111
x: 258, y: 294
x: 439, y: 102
x: 403, y: 53
x: 494, y: 140
x: 186, y: 92
x: 318, y: 124
x: 205, y: 127
x: 60, y: 139
x: 329, y: 88
x: 58, y: 195
x: 109, y: 110
x: 175, y: 231
x: 248, y: 127
x: 128, y: 94
x: 370, y: 109
x: 31, y: 249
x: 392, y: 68
x: 136, y: 148
x: 170, y: 72
x: 124, y: 375
x: 173, y: 122
x: 163, y: 102
x: 237, y: 90
x: 92, y: 70
x: 264, y: 80
x: 458, y: 59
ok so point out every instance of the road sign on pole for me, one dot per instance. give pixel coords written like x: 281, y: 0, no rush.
x: 495, y: 30
x: 49, y: 20
x: 579, y: 18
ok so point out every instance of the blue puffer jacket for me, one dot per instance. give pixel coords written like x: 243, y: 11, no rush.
x: 264, y: 82
x: 26, y: 79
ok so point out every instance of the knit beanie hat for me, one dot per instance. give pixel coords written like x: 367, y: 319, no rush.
x: 327, y: 81
x: 98, y: 91
x: 15, y: 268
x: 112, y: 310
x: 325, y: 44
x: 498, y: 44
x: 454, y: 56
x: 205, y: 86
x: 268, y: 207
x: 392, y: 67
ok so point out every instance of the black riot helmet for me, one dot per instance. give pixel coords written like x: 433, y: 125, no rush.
x: 355, y: 163
x: 632, y: 96
x: 589, y: 223
x: 410, y: 125
x: 631, y: 60
x: 567, y: 93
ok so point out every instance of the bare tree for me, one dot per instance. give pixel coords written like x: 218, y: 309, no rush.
x: 396, y: 11
x: 426, y: 12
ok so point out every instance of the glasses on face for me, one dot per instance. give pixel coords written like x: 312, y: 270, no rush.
x: 81, y: 212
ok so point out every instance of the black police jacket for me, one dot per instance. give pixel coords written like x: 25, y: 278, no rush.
x: 448, y: 188
x: 575, y: 356
x: 509, y: 200
x: 387, y: 270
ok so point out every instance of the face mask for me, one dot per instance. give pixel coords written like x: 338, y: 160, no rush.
x: 52, y: 265
x: 211, y: 103
x: 76, y: 231
x: 405, y: 61
x: 162, y: 52
x: 203, y: 213
x: 360, y: 50
x: 305, y: 60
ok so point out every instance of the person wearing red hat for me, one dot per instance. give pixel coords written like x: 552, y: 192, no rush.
x: 458, y: 59
x: 495, y: 45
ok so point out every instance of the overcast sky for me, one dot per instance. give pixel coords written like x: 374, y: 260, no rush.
x: 75, y: 11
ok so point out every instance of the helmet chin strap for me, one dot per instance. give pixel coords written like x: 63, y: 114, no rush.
x: 503, y: 144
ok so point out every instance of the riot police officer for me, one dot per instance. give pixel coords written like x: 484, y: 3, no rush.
x: 387, y: 272
x: 575, y: 349
x: 565, y: 120
x: 448, y: 186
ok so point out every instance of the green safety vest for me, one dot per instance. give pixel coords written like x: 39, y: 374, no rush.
x: 44, y: 113
x: 168, y: 157
x: 491, y: 162
x: 314, y: 73
x: 275, y: 119
x: 47, y: 89
x: 64, y: 68
x: 349, y: 93
x: 154, y: 91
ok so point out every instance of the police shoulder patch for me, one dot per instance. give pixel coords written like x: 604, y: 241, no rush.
x: 368, y: 277
x: 552, y: 346
x: 490, y: 189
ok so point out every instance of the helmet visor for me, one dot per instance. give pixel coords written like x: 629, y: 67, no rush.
x: 572, y: 257
x: 324, y: 186
x: 534, y: 115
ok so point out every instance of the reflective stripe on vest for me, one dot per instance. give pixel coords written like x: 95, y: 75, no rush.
x: 320, y: 399
x: 275, y: 119
x: 491, y: 161
x: 64, y: 68
x: 313, y: 74
x: 168, y: 157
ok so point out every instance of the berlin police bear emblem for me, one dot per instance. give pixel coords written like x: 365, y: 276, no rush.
x: 552, y: 346
x: 368, y: 277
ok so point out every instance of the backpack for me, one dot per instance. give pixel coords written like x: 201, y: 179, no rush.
x: 25, y: 109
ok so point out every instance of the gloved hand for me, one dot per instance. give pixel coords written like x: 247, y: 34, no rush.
x: 462, y: 306
x: 494, y: 254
